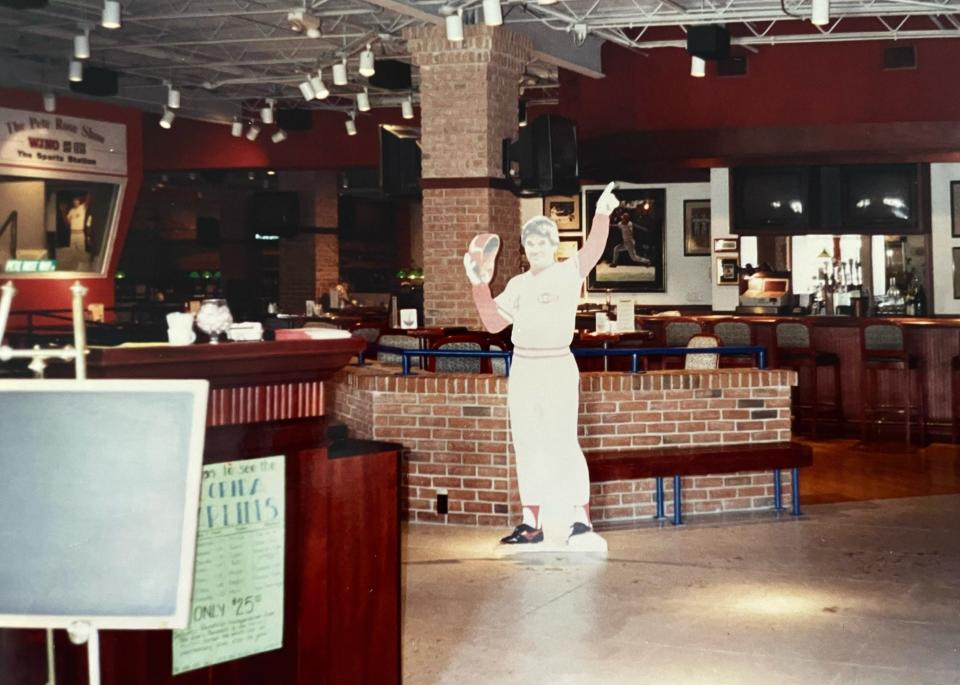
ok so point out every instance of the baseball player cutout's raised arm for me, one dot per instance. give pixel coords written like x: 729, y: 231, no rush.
x: 543, y: 391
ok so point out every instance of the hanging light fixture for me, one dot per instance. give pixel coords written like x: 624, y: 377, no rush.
x: 49, y: 102
x: 278, y: 137
x: 307, y: 90
x: 522, y: 113
x: 366, y: 62
x: 110, y: 17
x: 406, y: 108
x: 166, y: 121
x: 351, y: 125
x: 492, y: 14
x: 320, y: 91
x: 253, y: 132
x: 81, y: 45
x: 820, y: 12
x: 340, y: 73
x: 698, y: 66
x: 173, y: 97
x: 236, y: 128
x: 455, y: 26
x: 76, y: 71
x: 266, y: 113
x: 363, y: 101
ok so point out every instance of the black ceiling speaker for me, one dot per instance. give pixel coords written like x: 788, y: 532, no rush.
x: 24, y: 4
x: 708, y: 42
x: 97, y: 81
x: 391, y: 74
x: 295, y: 119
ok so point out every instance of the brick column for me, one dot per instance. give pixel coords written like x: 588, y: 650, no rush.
x: 468, y: 105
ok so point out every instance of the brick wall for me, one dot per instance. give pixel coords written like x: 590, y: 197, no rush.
x: 455, y: 433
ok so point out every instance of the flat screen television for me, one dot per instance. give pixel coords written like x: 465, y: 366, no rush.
x: 768, y: 199
x: 273, y: 214
x: 399, y: 161
x: 880, y: 196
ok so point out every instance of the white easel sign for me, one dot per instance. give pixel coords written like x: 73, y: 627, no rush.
x: 237, y: 607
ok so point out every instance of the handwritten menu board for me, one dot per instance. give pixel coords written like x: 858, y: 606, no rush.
x: 237, y: 607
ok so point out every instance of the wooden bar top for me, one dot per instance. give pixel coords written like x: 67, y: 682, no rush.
x: 820, y: 321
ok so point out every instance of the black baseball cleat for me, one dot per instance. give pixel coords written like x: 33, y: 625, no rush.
x: 523, y: 535
x: 579, y: 529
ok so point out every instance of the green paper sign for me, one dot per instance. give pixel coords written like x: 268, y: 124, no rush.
x: 237, y: 607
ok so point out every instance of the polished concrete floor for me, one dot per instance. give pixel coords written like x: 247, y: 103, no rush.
x: 852, y: 592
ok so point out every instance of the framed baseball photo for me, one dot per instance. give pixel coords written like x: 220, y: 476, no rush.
x: 564, y: 210
x: 728, y: 270
x: 696, y: 228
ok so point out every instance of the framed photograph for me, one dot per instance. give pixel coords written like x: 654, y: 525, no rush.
x: 956, y: 273
x: 728, y: 270
x: 564, y: 210
x: 567, y: 248
x: 728, y: 244
x: 696, y: 228
x: 633, y: 259
x: 955, y: 209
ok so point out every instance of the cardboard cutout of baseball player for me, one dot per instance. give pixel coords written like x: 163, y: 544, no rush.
x: 544, y: 386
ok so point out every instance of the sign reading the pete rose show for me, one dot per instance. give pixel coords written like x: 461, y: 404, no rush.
x: 51, y: 141
x: 237, y: 607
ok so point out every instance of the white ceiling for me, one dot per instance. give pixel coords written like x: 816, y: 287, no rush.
x: 225, y: 55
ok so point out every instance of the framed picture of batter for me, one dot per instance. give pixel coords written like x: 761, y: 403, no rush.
x: 696, y: 228
x: 633, y: 259
x: 564, y: 210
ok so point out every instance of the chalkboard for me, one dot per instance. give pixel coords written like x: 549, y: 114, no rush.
x: 99, y: 490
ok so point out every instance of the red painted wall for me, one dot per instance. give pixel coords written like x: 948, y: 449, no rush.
x: 54, y: 293
x: 785, y: 85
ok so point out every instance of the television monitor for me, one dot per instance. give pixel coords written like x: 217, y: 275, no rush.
x: 770, y: 199
x: 399, y: 161
x: 274, y: 213
x: 880, y: 196
x: 544, y: 160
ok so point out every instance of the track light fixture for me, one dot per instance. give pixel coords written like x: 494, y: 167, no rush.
x: 81, y: 45
x: 492, y: 14
x: 307, y: 90
x: 266, y: 113
x: 320, y: 91
x: 455, y: 26
x: 253, y: 132
x: 49, y: 102
x: 820, y: 12
x: 363, y: 101
x: 166, y: 121
x: 236, y: 128
x: 110, y: 17
x: 366, y: 62
x: 278, y: 137
x: 76, y: 71
x: 406, y: 108
x: 173, y: 97
x: 340, y: 73
x: 698, y: 66
x: 351, y: 125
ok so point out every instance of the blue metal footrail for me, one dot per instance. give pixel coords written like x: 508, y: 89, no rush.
x: 677, y: 516
x: 777, y: 496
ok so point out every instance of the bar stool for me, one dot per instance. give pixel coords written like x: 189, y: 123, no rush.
x: 883, y: 349
x: 677, y: 333
x: 732, y: 332
x: 795, y: 351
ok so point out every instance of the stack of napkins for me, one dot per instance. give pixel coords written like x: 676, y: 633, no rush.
x: 245, y: 331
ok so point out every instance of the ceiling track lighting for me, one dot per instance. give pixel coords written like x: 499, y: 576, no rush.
x: 307, y: 90
x: 455, y: 26
x: 351, y: 125
x: 110, y: 17
x: 820, y: 12
x: 253, y: 132
x: 76, y: 71
x: 81, y: 45
x: 49, y: 102
x: 278, y: 137
x: 698, y: 66
x: 173, y: 97
x: 266, y: 113
x: 320, y: 91
x: 166, y: 121
x: 406, y: 108
x: 363, y: 101
x: 492, y: 13
x: 236, y: 128
x: 340, y: 73
x: 366, y: 62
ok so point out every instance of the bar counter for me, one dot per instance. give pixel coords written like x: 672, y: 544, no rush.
x: 934, y: 340
x: 341, y: 562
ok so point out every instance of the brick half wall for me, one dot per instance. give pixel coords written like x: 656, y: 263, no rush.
x: 456, y: 435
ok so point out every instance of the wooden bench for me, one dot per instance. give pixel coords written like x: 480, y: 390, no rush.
x: 661, y: 462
